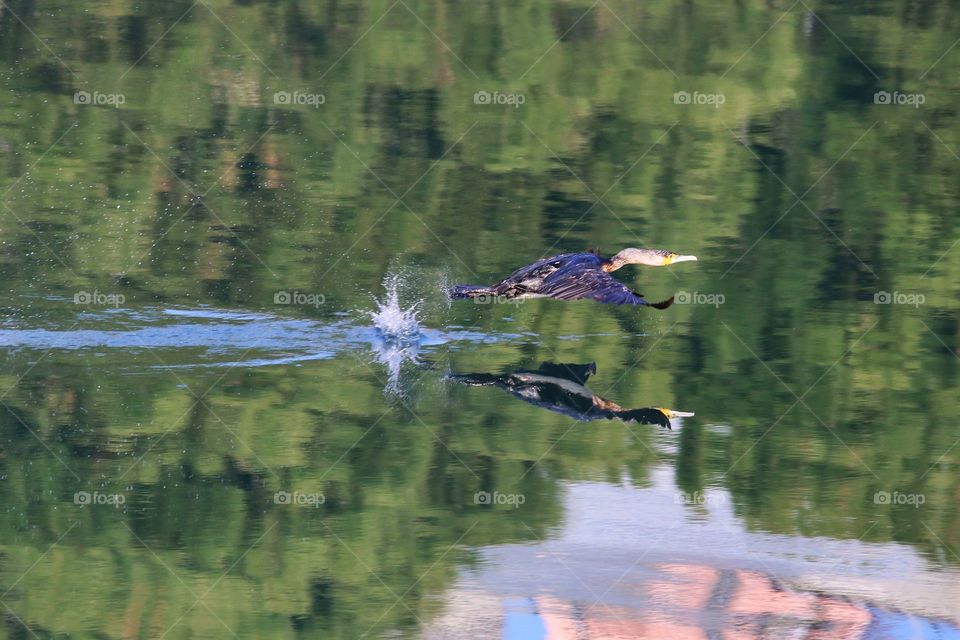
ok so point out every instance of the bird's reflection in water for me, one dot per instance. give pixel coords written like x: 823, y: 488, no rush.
x: 562, y: 388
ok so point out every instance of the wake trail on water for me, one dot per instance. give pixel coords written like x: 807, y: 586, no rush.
x: 140, y: 339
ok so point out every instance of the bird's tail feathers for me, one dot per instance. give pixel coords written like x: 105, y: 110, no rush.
x: 663, y: 304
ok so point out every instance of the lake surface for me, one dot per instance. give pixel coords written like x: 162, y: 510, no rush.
x: 235, y: 401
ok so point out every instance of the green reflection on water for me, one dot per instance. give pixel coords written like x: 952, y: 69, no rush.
x: 201, y: 190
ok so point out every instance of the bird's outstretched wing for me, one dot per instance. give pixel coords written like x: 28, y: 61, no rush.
x: 532, y: 275
x: 593, y: 284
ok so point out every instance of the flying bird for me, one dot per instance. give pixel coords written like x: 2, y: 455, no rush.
x: 575, y: 276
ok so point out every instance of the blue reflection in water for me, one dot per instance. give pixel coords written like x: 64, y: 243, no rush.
x: 522, y: 621
x: 891, y: 624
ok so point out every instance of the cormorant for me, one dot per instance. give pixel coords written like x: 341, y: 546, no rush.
x: 562, y: 388
x: 574, y: 276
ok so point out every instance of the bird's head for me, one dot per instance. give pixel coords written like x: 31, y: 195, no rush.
x: 670, y: 413
x: 649, y: 257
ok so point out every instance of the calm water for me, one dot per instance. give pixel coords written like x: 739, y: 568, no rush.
x: 235, y: 402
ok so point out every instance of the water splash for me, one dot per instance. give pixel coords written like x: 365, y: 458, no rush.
x: 399, y: 335
x: 392, y: 321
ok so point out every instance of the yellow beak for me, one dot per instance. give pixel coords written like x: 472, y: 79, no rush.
x: 670, y: 413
